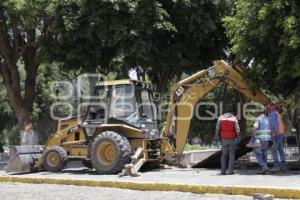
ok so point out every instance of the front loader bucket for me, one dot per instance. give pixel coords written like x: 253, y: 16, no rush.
x: 22, y: 158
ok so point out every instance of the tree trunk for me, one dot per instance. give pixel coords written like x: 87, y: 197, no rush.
x: 13, y: 48
x: 27, y: 133
x: 11, y: 79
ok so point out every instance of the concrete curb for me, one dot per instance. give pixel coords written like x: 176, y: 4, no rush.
x: 287, y: 193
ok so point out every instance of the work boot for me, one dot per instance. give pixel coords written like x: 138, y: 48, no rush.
x: 222, y: 173
x: 263, y: 170
x: 283, y: 168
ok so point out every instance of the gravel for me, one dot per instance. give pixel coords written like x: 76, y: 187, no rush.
x: 23, y: 191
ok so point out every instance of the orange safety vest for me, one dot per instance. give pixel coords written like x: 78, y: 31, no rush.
x: 281, y: 127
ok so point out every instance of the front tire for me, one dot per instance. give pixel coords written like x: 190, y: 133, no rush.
x: 55, y: 159
x: 110, y: 152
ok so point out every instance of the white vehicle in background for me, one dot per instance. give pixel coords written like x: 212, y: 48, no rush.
x: 6, y: 153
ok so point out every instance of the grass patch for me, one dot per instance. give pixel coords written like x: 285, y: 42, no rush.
x: 193, y: 147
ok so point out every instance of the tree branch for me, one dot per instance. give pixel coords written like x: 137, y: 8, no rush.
x: 31, y: 68
x: 8, y: 68
x: 46, y: 24
x: 11, y: 81
x: 5, y: 45
x: 16, y: 35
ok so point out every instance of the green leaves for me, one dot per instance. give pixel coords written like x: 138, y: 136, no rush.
x: 268, y: 33
x: 155, y: 34
x: 292, y: 38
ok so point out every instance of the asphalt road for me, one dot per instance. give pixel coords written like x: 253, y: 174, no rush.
x: 290, y: 179
x: 247, y: 178
x: 23, y: 191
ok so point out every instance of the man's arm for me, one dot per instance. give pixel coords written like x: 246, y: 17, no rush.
x: 255, y: 125
x: 237, y: 127
x: 217, y: 127
x: 274, y: 123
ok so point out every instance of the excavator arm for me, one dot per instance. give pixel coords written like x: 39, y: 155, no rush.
x: 188, y: 92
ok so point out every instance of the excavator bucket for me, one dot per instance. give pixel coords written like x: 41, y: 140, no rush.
x: 22, y: 158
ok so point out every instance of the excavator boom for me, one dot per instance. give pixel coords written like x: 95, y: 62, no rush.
x: 188, y: 92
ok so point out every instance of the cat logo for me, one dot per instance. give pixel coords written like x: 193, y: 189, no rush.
x: 179, y: 91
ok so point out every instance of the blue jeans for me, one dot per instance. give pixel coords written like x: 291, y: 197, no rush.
x: 278, y: 152
x: 261, y: 154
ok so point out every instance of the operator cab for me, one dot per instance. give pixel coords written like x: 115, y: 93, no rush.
x: 126, y: 102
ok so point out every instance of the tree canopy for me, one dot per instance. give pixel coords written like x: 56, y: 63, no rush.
x: 266, y: 34
x: 167, y: 36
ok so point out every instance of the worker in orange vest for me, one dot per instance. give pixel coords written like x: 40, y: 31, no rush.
x: 278, y: 135
x: 228, y: 130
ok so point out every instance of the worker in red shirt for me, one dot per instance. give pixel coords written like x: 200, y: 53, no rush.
x: 228, y: 130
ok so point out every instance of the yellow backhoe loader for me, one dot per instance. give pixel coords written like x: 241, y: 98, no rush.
x: 119, y: 131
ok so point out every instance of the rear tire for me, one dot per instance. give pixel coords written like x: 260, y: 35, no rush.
x: 110, y: 152
x: 55, y: 159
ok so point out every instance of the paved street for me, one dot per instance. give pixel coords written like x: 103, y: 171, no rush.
x: 247, y: 178
x: 18, y: 191
x: 290, y: 179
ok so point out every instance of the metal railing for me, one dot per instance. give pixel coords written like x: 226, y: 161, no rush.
x: 291, y: 149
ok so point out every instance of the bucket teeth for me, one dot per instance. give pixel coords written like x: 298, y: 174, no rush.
x: 22, y: 158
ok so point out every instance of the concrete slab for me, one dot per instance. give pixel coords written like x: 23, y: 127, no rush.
x: 190, y: 158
